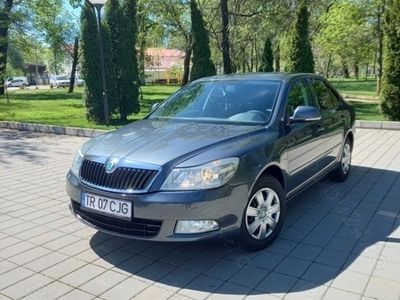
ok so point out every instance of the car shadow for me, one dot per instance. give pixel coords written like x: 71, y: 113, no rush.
x: 330, y: 229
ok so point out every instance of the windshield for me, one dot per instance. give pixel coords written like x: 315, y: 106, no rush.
x: 61, y: 77
x: 226, y: 101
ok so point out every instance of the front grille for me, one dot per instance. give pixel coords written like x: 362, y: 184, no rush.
x: 121, y: 179
x: 136, y: 227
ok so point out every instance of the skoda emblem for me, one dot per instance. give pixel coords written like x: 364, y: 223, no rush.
x: 110, y: 165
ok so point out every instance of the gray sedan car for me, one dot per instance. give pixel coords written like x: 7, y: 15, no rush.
x: 221, y: 156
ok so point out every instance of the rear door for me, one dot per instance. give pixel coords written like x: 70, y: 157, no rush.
x: 332, y: 119
x: 303, y: 139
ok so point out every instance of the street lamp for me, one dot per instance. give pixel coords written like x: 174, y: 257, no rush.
x: 98, y: 5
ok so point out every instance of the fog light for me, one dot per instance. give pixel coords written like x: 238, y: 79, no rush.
x: 196, y: 226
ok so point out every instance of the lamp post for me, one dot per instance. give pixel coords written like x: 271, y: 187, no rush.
x: 98, y: 5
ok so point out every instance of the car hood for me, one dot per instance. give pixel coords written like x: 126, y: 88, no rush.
x: 159, y: 142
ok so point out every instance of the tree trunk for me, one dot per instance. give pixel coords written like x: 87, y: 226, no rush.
x: 345, y: 68
x: 366, y: 72
x: 277, y: 58
x: 328, y: 65
x: 186, y: 62
x: 75, y: 58
x: 356, y: 70
x: 5, y: 21
x: 381, y: 11
x: 251, y: 57
x: 225, y: 37
x: 142, y: 77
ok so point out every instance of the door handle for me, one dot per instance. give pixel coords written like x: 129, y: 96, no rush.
x: 320, y: 128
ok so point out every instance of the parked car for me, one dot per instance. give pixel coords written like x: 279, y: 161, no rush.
x: 79, y: 81
x: 58, y: 81
x: 16, y: 82
x: 222, y: 156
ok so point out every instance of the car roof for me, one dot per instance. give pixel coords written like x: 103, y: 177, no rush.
x: 259, y: 76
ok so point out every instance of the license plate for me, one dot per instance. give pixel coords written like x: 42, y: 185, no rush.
x: 113, y: 207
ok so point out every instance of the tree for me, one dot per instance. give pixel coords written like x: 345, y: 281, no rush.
x: 129, y: 67
x: 202, y: 64
x: 75, y: 55
x: 5, y: 21
x: 122, y: 27
x: 300, y: 57
x: 225, y: 37
x: 267, y: 60
x: 391, y: 69
x: 91, y: 68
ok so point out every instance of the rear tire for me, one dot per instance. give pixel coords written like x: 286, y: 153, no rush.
x: 343, y: 169
x: 264, y: 214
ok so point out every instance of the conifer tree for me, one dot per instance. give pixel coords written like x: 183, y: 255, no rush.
x: 91, y: 67
x: 391, y: 69
x: 202, y: 64
x: 121, y: 23
x: 267, y: 60
x: 300, y: 57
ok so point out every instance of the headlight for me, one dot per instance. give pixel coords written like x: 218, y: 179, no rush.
x: 76, y: 163
x: 211, y: 175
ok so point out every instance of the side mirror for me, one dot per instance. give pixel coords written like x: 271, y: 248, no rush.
x: 154, y: 106
x: 305, y: 114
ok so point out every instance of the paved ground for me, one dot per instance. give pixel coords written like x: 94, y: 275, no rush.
x: 340, y: 241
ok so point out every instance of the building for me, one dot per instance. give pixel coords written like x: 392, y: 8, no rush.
x: 163, y: 65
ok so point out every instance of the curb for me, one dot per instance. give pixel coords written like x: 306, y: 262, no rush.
x: 85, y: 132
x: 72, y: 131
x: 387, y: 125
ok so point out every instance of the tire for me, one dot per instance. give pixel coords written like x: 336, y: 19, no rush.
x: 251, y: 234
x: 343, y: 169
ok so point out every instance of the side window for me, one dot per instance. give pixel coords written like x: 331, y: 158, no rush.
x: 325, y: 97
x: 298, y: 96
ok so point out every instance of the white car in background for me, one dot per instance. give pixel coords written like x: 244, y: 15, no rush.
x: 57, y: 81
x: 63, y: 81
x: 16, y: 82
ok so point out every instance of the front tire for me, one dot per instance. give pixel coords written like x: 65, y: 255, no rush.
x: 264, y: 214
x: 343, y: 169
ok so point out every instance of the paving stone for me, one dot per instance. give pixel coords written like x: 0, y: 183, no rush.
x: 82, y: 275
x: 292, y: 266
x: 26, y: 286
x: 379, y: 288
x: 103, y: 282
x: 223, y: 269
x: 335, y: 294
x: 321, y: 274
x: 125, y: 289
x: 201, y: 287
x: 351, y: 282
x: 249, y: 276
x: 51, y: 291
x: 154, y: 292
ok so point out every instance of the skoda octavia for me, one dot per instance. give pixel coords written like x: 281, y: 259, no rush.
x: 221, y: 156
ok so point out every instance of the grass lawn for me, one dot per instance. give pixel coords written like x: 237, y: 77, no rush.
x: 57, y: 107
x: 355, y: 87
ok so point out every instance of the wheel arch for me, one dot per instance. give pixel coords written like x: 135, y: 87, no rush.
x: 272, y: 169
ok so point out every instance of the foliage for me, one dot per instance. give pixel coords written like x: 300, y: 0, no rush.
x: 91, y: 67
x: 300, y: 56
x: 267, y: 60
x: 202, y: 63
x: 346, y: 35
x: 391, y: 70
x: 122, y: 28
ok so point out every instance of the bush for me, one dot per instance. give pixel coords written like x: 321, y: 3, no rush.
x: 391, y: 70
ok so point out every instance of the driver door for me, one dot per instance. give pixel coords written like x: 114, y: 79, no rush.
x: 304, y: 139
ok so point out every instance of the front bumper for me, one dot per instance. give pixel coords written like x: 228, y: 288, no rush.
x: 224, y: 205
